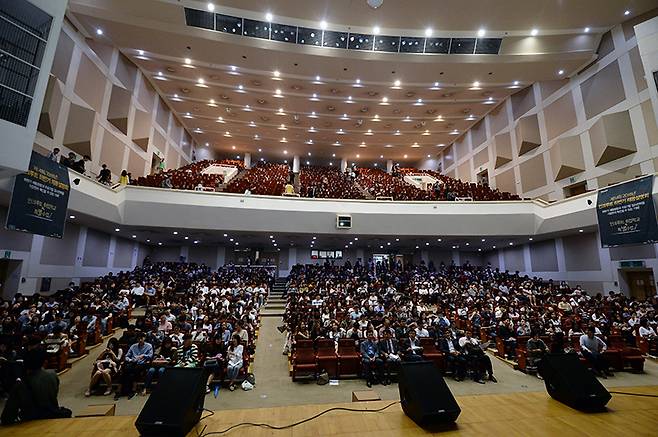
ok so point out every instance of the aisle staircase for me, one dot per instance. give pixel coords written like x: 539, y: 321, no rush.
x: 276, y: 302
x: 365, y: 192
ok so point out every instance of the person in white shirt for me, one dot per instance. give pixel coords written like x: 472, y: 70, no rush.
x: 234, y: 354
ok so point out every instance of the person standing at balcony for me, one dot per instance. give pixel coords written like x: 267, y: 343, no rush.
x: 105, y: 175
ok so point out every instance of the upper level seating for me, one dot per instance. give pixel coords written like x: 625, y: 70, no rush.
x: 267, y: 179
x: 189, y: 176
x: 381, y: 184
x: 327, y: 182
x: 450, y: 188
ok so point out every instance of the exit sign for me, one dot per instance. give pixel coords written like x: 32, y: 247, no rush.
x: 7, y: 254
x: 631, y: 264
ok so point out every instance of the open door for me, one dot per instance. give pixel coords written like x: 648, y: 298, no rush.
x: 640, y: 283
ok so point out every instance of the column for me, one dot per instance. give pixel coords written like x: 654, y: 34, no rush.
x: 389, y: 166
x: 343, y: 165
x: 295, y: 164
x: 247, y: 160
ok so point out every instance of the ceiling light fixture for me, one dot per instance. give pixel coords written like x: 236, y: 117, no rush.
x: 587, y: 29
x: 428, y: 32
x: 627, y: 12
x: 211, y: 7
x: 268, y: 16
x: 99, y: 31
x: 323, y: 25
x: 481, y: 33
x: 375, y: 30
x: 534, y: 32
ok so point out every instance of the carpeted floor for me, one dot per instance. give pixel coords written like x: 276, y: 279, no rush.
x: 274, y: 386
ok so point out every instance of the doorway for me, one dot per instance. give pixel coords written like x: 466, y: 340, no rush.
x: 640, y: 283
x: 576, y: 189
x: 10, y: 277
x: 483, y: 177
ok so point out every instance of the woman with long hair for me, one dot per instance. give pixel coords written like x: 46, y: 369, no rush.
x: 106, y: 366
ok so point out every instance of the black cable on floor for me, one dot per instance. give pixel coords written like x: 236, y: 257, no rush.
x: 633, y: 394
x: 267, y: 425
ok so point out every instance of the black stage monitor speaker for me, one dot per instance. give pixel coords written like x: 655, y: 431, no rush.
x: 425, y: 396
x: 175, y: 405
x: 570, y: 382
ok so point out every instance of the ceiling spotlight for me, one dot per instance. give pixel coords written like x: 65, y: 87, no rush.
x: 534, y: 32
x: 627, y: 12
x: 476, y: 84
x: 140, y: 52
x: 134, y: 236
x: 175, y: 232
x: 71, y: 217
x: 481, y: 33
x: 561, y: 72
x: 397, y: 83
x: 375, y: 30
x: 188, y: 61
x: 285, y: 152
x: 268, y: 16
x: 405, y: 156
x: 428, y: 32
x: 117, y: 230
x: 323, y: 24
x: 276, y: 73
x: 99, y: 31
x: 516, y: 83
x: 211, y: 7
x: 587, y: 29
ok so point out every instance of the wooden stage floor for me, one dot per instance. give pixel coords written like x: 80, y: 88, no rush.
x: 513, y: 414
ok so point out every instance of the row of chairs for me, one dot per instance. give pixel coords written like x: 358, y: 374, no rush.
x: 342, y: 360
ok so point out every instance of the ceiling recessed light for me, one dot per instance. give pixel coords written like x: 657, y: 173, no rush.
x: 323, y: 24
x: 71, y: 217
x: 481, y: 33
x: 587, y: 29
x: 397, y: 83
x: 534, y: 32
x: 211, y: 7
x: 134, y: 236
x: 530, y: 239
x: 269, y: 16
x: 117, y: 230
x: 99, y: 31
x: 175, y: 232
x: 159, y: 244
x: 375, y: 30
x: 516, y: 83
x: 187, y: 61
x: 581, y: 231
x: 428, y: 32
x: 476, y: 84
x: 276, y: 73
x: 561, y: 72
x: 140, y: 52
x: 627, y: 12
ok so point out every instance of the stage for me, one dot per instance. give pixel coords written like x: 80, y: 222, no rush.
x: 520, y: 414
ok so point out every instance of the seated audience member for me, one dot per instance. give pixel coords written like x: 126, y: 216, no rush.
x: 79, y: 165
x: 54, y: 154
x: 477, y: 360
x: 455, y: 360
x: 289, y: 189
x: 188, y: 354
x: 413, y: 351
x: 235, y: 361
x: 370, y: 359
x: 535, y: 349
x: 139, y: 356
x: 592, y: 348
x: 389, y: 350
x: 34, y: 396
x: 68, y: 161
x: 214, y: 362
x: 160, y: 362
x: 106, y: 366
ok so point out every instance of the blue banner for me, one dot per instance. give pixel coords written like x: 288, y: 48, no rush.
x: 40, y: 198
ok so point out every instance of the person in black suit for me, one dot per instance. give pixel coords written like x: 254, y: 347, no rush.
x: 455, y: 360
x: 389, y: 350
x: 413, y: 351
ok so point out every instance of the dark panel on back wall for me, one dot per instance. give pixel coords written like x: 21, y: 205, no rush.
x: 256, y: 29
x: 228, y: 24
x: 308, y: 36
x: 202, y: 19
x: 283, y: 33
x: 335, y: 39
x: 462, y: 46
x: 360, y: 41
x: 412, y: 45
x: 437, y: 45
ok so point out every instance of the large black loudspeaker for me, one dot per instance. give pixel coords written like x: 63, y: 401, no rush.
x: 570, y: 382
x: 425, y: 396
x: 175, y: 405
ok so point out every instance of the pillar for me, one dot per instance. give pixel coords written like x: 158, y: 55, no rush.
x: 295, y: 164
x: 247, y: 160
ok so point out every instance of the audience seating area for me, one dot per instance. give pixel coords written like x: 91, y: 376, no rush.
x: 265, y: 178
x: 331, y: 310
x: 178, y: 299
x: 327, y: 182
x: 189, y: 176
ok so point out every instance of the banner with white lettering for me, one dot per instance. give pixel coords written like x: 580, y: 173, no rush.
x: 40, y: 198
x: 626, y: 213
